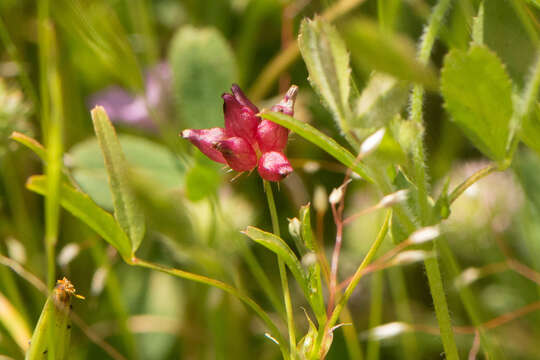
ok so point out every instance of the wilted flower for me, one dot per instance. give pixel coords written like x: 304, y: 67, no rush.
x: 247, y: 141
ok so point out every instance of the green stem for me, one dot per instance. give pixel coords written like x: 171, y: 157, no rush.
x: 354, y: 281
x: 460, y: 189
x: 469, y: 301
x: 223, y: 286
x: 375, y: 313
x: 282, y: 271
x: 419, y: 163
x: 403, y: 311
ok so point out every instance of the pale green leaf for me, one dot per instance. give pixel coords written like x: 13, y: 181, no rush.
x: 126, y: 209
x: 478, y: 95
x: 82, y: 207
x: 203, y: 67
x: 372, y: 49
x: 14, y: 323
x: 321, y: 140
x: 381, y: 99
x: 327, y: 61
x: 30, y: 143
x: 146, y: 159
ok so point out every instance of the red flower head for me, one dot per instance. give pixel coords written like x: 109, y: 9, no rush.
x: 247, y: 141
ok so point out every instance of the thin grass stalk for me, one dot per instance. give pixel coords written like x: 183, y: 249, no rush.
x: 375, y: 313
x: 282, y: 270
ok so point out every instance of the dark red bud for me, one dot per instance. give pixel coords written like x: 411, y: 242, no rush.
x: 206, y: 140
x: 274, y: 166
x: 242, y: 98
x: 238, y: 153
x: 240, y: 120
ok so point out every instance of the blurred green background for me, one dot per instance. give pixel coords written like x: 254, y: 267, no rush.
x: 160, y: 66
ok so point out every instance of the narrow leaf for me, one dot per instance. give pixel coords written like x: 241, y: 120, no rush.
x: 57, y: 308
x: 530, y: 133
x: 323, y: 141
x: 327, y: 61
x: 315, y: 294
x: 203, y: 67
x: 82, y: 207
x: 280, y: 248
x: 126, y: 209
x: 478, y: 95
x: 30, y: 143
x: 14, y: 323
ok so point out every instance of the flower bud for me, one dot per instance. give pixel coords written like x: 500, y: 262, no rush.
x: 240, y: 120
x: 286, y: 105
x: 238, y: 153
x: 242, y: 98
x: 271, y: 136
x: 372, y: 142
x: 425, y: 234
x: 206, y: 140
x: 274, y: 166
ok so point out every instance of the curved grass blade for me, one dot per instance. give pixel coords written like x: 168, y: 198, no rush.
x: 82, y: 207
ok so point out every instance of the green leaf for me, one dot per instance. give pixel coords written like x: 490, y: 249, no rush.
x: 372, y: 49
x: 30, y: 143
x: 82, y: 207
x: 510, y: 33
x: 327, y: 61
x: 280, y: 248
x: 316, y: 137
x: 315, y: 293
x: 13, y: 322
x: 203, y: 67
x: 126, y: 209
x: 530, y: 132
x: 478, y: 95
x: 146, y: 159
x: 201, y: 182
x: 382, y: 98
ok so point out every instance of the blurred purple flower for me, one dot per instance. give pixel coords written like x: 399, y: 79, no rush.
x: 133, y: 109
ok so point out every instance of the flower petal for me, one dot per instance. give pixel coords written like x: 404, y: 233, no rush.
x: 274, y: 166
x: 206, y: 140
x: 240, y: 120
x: 238, y: 153
x: 271, y: 136
x: 242, y: 98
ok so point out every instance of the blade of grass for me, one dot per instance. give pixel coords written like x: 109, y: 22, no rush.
x: 13, y: 321
x: 375, y: 313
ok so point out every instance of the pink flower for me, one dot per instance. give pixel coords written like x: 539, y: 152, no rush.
x: 247, y: 141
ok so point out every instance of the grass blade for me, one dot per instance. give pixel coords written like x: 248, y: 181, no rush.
x: 82, y: 207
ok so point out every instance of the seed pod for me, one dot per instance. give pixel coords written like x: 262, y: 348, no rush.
x: 57, y: 308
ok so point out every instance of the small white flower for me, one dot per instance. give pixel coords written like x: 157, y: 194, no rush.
x: 425, y: 234
x: 372, y: 142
